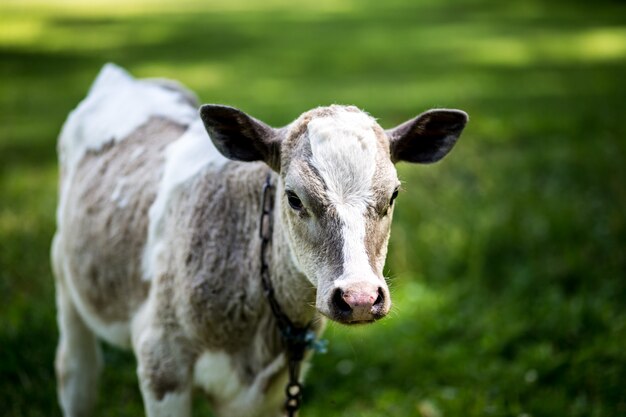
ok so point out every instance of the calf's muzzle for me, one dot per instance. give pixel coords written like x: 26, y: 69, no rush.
x: 359, y: 303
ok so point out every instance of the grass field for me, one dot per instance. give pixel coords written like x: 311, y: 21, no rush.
x: 508, y: 259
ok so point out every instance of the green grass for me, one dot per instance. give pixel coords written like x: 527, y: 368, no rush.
x: 507, y: 259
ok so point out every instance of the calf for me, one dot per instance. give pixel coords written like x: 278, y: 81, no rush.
x: 157, y: 246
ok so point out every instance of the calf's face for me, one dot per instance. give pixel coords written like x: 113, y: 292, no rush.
x: 338, y: 190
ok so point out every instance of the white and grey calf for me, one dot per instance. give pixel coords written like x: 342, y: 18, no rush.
x: 157, y: 245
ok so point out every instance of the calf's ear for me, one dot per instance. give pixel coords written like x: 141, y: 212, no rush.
x: 428, y: 137
x: 241, y: 137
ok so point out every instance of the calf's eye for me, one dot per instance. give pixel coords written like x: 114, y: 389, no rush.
x: 294, y: 201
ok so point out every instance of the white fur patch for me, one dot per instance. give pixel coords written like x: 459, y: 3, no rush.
x: 184, y: 159
x: 117, y: 104
x: 343, y: 148
x: 356, y: 266
x: 215, y: 374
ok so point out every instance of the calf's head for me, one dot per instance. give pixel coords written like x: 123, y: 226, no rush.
x: 337, y: 191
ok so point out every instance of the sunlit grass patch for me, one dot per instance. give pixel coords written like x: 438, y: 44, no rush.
x: 20, y: 30
x: 99, y: 8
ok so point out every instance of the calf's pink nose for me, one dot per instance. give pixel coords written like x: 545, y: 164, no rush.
x: 359, y: 303
x: 360, y: 299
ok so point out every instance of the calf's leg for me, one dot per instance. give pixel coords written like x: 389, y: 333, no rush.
x: 78, y: 358
x: 164, y: 370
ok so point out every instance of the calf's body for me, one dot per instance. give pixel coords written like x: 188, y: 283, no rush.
x: 157, y: 244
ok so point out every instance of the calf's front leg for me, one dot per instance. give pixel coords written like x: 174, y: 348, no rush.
x: 165, y: 373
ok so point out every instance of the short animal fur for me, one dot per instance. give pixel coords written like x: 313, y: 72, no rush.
x: 157, y: 246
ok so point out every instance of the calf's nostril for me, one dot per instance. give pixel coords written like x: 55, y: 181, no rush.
x: 340, y: 303
x: 380, y: 300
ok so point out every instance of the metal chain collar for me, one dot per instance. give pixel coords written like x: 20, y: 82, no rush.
x: 296, y: 339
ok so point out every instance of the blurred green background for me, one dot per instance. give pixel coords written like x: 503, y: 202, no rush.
x: 507, y: 259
